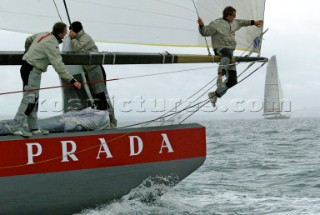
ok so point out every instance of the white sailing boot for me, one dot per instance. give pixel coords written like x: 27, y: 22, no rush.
x: 213, y: 98
x: 219, y: 83
x: 113, y: 122
x: 40, y: 131
x: 22, y: 133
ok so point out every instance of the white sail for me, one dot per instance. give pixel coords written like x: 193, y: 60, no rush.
x: 273, y: 100
x: 246, y: 9
x: 149, y: 22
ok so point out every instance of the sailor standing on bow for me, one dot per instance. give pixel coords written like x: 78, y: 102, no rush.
x: 41, y: 50
x: 82, y: 42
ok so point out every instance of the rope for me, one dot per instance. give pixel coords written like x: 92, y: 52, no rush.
x: 153, y: 120
x: 237, y: 84
x: 252, y: 72
x: 114, y: 79
x: 168, y: 114
x: 173, y: 115
x: 194, y: 95
x: 53, y: 87
x: 213, y: 85
x: 206, y: 102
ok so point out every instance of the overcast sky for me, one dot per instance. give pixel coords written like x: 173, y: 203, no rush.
x: 293, y: 37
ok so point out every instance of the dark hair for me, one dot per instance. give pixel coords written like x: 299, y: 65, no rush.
x: 58, y: 28
x: 76, y: 26
x: 228, y: 11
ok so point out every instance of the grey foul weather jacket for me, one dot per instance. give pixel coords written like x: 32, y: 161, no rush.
x: 84, y: 43
x: 223, y: 33
x: 43, y: 49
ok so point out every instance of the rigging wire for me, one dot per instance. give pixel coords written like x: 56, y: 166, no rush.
x: 176, y: 113
x: 191, y: 105
x: 194, y: 95
x: 173, y: 115
x: 66, y: 7
x: 208, y: 100
x: 165, y: 73
x: 54, y: 2
x: 251, y: 64
x: 195, y: 7
x: 264, y: 62
x: 154, y: 120
x: 200, y: 97
x: 114, y: 79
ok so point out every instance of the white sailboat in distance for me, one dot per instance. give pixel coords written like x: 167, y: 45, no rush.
x: 273, y: 98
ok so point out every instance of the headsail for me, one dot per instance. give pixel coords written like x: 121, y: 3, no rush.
x: 148, y: 22
x: 246, y: 9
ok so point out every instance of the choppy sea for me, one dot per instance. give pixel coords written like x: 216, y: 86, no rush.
x: 252, y: 167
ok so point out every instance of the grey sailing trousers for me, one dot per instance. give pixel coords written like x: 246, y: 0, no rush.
x: 95, y: 75
x: 227, y: 69
x: 28, y: 109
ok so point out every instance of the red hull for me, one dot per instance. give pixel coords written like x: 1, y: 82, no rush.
x: 88, y: 150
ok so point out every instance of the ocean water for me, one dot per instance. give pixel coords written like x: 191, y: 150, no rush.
x: 252, y: 167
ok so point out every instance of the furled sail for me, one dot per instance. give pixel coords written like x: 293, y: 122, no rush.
x: 148, y: 22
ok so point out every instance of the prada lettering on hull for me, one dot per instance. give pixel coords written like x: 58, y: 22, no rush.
x: 54, y: 153
x: 69, y: 149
